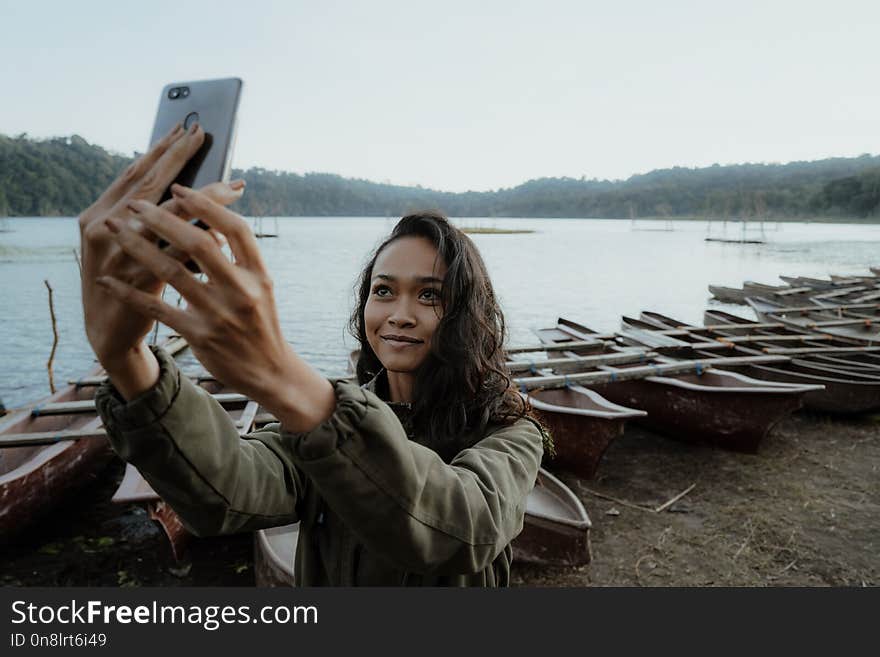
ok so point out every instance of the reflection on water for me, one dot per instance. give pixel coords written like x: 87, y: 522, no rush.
x: 593, y: 271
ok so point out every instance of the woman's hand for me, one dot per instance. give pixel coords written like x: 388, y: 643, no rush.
x: 230, y: 321
x: 115, y: 333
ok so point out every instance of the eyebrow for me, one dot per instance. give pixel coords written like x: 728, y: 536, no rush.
x: 417, y: 279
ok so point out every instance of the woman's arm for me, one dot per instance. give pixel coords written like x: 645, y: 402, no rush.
x: 403, y: 502
x: 217, y: 482
x: 230, y: 321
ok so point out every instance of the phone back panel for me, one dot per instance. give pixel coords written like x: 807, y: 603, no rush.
x: 215, y: 105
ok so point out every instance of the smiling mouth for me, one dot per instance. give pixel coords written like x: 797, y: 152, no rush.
x: 401, y: 339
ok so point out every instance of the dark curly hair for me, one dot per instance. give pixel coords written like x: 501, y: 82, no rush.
x: 463, y: 385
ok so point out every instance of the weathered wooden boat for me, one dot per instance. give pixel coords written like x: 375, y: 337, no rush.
x: 842, y: 395
x: 804, y: 347
x: 868, y: 308
x: 753, y: 288
x: 583, y: 424
x: 34, y: 479
x: 809, y: 366
x: 728, y: 294
x: 556, y: 527
x: 844, y: 279
x: 815, y: 319
x: 274, y: 551
x: 694, y: 340
x: 721, y: 407
x: 556, y: 532
x: 821, y: 283
x: 50, y: 449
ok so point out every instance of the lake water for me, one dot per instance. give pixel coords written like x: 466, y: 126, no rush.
x: 590, y: 270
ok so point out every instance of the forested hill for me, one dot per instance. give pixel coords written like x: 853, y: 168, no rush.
x: 61, y: 176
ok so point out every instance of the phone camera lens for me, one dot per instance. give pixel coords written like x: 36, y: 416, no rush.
x: 174, y: 93
x: 184, y: 92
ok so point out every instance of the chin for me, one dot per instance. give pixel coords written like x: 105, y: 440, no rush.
x: 395, y: 363
x: 399, y: 362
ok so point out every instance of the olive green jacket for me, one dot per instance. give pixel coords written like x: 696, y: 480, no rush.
x: 375, y: 507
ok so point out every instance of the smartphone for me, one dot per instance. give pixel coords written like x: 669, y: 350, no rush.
x: 214, y: 105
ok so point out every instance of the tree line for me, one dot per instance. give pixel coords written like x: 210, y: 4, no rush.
x: 62, y: 175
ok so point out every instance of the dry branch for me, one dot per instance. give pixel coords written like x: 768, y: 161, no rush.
x: 54, y: 338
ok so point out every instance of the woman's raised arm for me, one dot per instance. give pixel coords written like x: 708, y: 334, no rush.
x: 231, y: 321
x: 114, y: 331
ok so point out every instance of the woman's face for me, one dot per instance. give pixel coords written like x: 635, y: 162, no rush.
x: 403, y: 308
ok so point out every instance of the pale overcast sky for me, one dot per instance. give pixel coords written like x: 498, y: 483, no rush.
x: 461, y: 95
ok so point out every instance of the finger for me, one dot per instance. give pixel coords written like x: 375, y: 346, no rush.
x: 190, y: 240
x: 241, y: 240
x: 132, y: 175
x: 219, y: 192
x: 224, y: 193
x: 161, y: 265
x: 163, y: 172
x: 148, y: 305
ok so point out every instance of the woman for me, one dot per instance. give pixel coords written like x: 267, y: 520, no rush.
x: 419, y: 476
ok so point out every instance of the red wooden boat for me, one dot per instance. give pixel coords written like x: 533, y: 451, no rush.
x: 720, y: 407
x: 50, y: 449
x: 582, y: 424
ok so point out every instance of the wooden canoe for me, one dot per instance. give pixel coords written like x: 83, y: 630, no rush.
x: 583, y: 424
x: 728, y: 294
x: 815, y: 320
x: 829, y: 351
x: 556, y: 532
x: 642, y: 332
x: 35, y: 478
x: 841, y: 396
x: 723, y: 408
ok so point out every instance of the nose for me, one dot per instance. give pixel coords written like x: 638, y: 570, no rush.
x: 402, y: 316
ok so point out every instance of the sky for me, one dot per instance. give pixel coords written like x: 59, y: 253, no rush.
x: 461, y: 95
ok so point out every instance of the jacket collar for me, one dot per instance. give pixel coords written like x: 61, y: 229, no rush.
x: 378, y: 385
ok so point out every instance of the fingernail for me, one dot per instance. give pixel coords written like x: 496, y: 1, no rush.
x: 179, y: 190
x: 112, y: 225
x: 132, y: 205
x: 237, y: 184
x: 193, y: 128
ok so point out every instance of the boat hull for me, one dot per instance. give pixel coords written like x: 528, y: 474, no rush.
x: 718, y: 407
x: 841, y: 396
x: 582, y: 425
x: 733, y: 420
x: 34, y: 480
x: 29, y: 493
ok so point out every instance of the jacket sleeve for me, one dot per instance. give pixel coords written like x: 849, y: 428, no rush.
x: 403, y: 502
x: 189, y: 450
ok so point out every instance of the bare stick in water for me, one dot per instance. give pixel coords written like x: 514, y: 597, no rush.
x: 54, y: 338
x: 78, y: 263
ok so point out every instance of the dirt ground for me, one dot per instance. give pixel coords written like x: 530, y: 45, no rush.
x: 805, y: 511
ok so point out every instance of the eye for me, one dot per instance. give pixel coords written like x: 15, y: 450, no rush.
x: 382, y: 290
x: 432, y: 295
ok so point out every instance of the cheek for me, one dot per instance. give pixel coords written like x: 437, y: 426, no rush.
x: 372, y: 316
x: 429, y: 321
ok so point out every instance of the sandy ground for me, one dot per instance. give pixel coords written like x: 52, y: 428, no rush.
x: 805, y: 511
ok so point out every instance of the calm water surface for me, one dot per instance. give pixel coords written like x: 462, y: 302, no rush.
x: 591, y: 270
